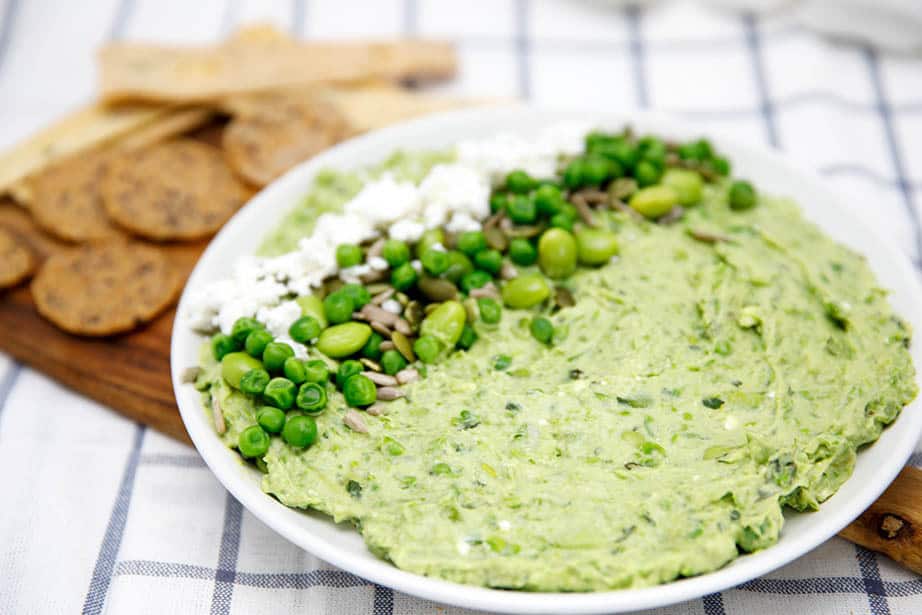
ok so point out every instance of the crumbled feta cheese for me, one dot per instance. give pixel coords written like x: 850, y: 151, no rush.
x: 353, y: 275
x: 461, y: 222
x: 384, y: 201
x: 300, y: 349
x: 450, y: 188
x: 407, y: 230
x: 279, y: 318
x: 393, y: 306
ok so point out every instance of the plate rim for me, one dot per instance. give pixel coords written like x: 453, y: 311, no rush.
x: 224, y: 463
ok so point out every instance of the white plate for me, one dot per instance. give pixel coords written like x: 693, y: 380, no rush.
x: 343, y: 547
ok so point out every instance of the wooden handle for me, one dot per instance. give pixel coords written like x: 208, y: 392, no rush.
x: 893, y: 524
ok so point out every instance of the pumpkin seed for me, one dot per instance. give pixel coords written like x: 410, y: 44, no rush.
x: 496, y: 239
x: 437, y: 289
x: 379, y: 287
x: 621, y: 189
x: 430, y: 307
x: 375, y: 249
x: 706, y: 237
x: 414, y: 313
x: 487, y: 290
x: 190, y: 374
x: 403, y: 346
x: 563, y: 297
x: 402, y: 298
x: 386, y: 345
x: 526, y: 232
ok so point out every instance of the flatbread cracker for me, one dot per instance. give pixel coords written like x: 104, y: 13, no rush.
x: 16, y: 260
x: 175, y: 190
x: 277, y: 132
x: 67, y: 201
x: 140, y: 72
x: 102, y: 289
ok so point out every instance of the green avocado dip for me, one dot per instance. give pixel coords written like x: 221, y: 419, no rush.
x: 721, y: 368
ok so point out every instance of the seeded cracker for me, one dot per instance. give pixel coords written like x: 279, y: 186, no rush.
x: 16, y: 261
x: 179, y: 189
x: 101, y: 289
x: 277, y: 132
x: 67, y: 201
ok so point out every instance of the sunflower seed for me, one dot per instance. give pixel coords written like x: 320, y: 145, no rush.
x: 389, y: 393
x: 376, y: 313
x: 377, y: 326
x: 594, y: 196
x: 386, y: 345
x: 508, y: 271
x: 621, y: 188
x: 473, y: 312
x: 403, y: 326
x: 375, y: 275
x: 382, y: 295
x: 372, y: 365
x: 376, y: 409
x: 488, y: 290
x: 375, y: 249
x: 582, y: 208
x: 354, y: 421
x: 217, y: 414
x: 673, y: 215
x: 408, y: 375
x: 403, y: 346
x: 190, y: 374
x: 383, y: 380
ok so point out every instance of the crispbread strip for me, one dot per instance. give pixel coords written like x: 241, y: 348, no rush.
x: 132, y: 72
x: 179, y: 122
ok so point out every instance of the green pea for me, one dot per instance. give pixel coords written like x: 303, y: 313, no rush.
x: 468, y: 337
x: 475, y: 279
x: 742, y: 195
x: 646, y: 173
x: 346, y: 370
x: 522, y: 252
x: 316, y: 371
x: 343, y: 340
x: 445, y: 322
x: 435, y: 262
x: 522, y: 210
x: 427, y: 348
x: 312, y: 305
x: 654, y: 201
x: 502, y: 362
x: 620, y: 151
x: 429, y: 238
x: 548, y: 199
x: 360, y: 391
x: 691, y: 151
x: 257, y: 341
x: 562, y: 221
x: 358, y: 293
x: 687, y: 184
x: 235, y: 364
x: 498, y: 202
x: 275, y: 355
x: 270, y: 418
x: 597, y: 170
x: 490, y: 310
x: 222, y: 345
x: 403, y: 277
x: 311, y: 398
x: 280, y: 392
x: 372, y: 348
x: 557, y: 253
x: 392, y: 362
x: 472, y: 242
x: 304, y: 329
x: 459, y: 266
x: 595, y: 139
x: 300, y: 431
x: 542, y: 329
x: 596, y: 246
x: 489, y: 260
x: 573, y: 175
x: 348, y: 255
x: 720, y: 165
x: 295, y: 369
x: 338, y: 307
x: 253, y: 442
x: 254, y: 381
x: 526, y: 291
x: 242, y: 328
x: 519, y: 182
x: 395, y: 252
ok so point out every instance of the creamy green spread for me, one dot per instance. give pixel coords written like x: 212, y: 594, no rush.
x: 697, y: 389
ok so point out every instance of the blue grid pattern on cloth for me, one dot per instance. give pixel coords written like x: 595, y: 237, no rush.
x: 525, y: 50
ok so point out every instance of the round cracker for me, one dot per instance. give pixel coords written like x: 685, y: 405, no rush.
x: 179, y: 189
x: 16, y: 260
x: 105, y: 288
x: 67, y: 201
x: 278, y: 133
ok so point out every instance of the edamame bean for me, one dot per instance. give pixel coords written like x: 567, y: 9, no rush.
x: 254, y: 381
x: 557, y: 253
x: 280, y: 392
x: 526, y: 291
x: 396, y: 252
x: 742, y: 196
x: 257, y: 341
x: 338, y: 307
x: 295, y: 370
x: 596, y: 246
x: 359, y: 391
x: 304, y: 329
x: 312, y: 398
x: 242, y: 328
x: 687, y: 184
x: 348, y: 255
x: 343, y: 340
x: 235, y: 364
x: 275, y: 355
x: 253, y: 442
x: 312, y: 305
x: 427, y: 348
x: 654, y: 201
x: 445, y: 323
x: 222, y: 345
x: 270, y: 418
x: 300, y: 431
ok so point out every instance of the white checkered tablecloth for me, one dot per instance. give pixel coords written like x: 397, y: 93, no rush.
x: 101, y: 515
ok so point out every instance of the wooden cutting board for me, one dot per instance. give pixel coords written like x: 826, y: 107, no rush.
x: 130, y: 373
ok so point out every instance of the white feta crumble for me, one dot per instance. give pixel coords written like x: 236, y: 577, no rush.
x: 353, y: 275
x: 504, y: 525
x: 461, y: 222
x: 385, y: 200
x: 278, y: 319
x: 453, y: 188
x: 407, y: 230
